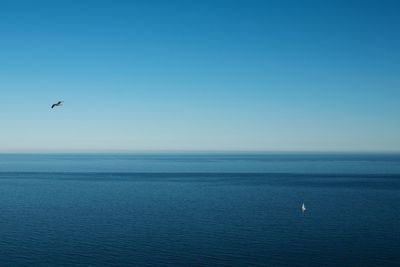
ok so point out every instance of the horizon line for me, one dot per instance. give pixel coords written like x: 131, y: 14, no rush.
x: 171, y: 151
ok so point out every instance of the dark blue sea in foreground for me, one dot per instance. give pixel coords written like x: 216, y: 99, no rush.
x: 200, y: 210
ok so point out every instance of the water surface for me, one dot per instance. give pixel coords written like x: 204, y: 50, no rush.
x: 199, y: 210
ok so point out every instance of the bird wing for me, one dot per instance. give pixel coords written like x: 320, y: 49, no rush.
x: 52, y: 106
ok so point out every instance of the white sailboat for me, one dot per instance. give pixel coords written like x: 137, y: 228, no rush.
x: 303, y: 207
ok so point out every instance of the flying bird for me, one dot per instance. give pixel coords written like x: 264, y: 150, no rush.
x: 59, y: 103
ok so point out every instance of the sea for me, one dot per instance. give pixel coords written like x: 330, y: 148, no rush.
x: 200, y: 209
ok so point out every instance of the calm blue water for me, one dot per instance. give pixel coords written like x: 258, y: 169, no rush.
x: 199, y: 210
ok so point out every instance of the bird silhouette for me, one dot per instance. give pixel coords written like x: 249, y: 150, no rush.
x: 59, y: 103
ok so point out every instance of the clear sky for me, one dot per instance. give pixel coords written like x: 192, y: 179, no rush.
x: 200, y: 75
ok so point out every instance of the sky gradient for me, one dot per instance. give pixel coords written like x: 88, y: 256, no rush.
x: 200, y: 75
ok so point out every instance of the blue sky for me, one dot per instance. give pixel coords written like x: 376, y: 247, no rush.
x: 200, y: 75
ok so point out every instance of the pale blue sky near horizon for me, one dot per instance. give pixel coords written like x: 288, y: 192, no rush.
x: 199, y: 75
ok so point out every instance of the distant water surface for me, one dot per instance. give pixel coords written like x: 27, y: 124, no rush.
x: 282, y: 163
x: 199, y: 210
